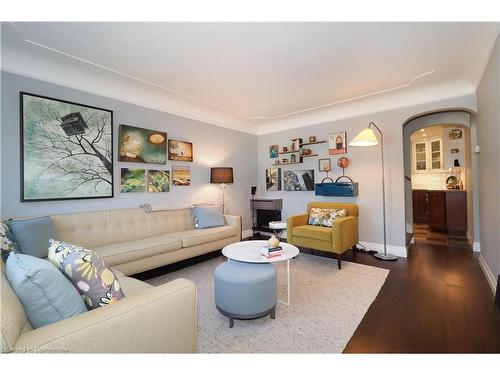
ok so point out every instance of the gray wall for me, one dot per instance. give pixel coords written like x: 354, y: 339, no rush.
x: 213, y: 146
x: 364, y: 169
x: 488, y: 127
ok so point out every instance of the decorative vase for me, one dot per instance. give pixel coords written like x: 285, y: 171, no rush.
x: 307, y: 151
x: 273, y: 242
x: 285, y: 149
x: 312, y: 139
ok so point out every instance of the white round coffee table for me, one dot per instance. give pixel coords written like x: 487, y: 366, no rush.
x: 248, y: 252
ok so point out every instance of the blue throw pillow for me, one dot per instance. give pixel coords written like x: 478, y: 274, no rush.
x: 208, y: 216
x: 47, y: 296
x: 32, y: 235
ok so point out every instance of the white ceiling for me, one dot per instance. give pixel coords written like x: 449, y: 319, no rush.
x: 249, y: 76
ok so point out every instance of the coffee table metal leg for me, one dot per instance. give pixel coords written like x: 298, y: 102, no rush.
x: 287, y: 283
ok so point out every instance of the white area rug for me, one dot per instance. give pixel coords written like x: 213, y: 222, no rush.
x: 327, y: 305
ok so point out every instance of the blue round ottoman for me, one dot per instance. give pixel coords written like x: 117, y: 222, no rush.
x: 245, y: 290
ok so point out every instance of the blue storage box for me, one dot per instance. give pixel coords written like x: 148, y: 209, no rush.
x: 337, y: 189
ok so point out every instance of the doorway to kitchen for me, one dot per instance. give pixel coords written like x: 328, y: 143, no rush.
x: 440, y: 179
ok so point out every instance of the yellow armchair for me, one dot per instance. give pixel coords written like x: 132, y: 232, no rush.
x: 342, y: 236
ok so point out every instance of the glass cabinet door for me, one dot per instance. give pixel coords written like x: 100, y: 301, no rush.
x: 420, y: 156
x: 436, y: 154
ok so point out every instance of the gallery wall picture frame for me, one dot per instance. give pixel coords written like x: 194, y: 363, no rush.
x: 140, y: 145
x: 337, y: 143
x: 273, y: 179
x: 66, y: 150
x: 180, y: 150
x: 324, y: 165
x: 273, y: 151
x: 299, y: 180
x: 133, y: 180
x: 158, y: 181
x: 181, y: 175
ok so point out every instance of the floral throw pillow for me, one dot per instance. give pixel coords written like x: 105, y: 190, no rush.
x: 87, y: 271
x: 8, y: 242
x: 325, y: 216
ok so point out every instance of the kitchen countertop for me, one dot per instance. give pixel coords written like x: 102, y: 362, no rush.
x: 445, y: 190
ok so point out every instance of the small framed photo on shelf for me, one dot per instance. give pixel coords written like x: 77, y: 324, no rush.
x: 273, y: 151
x: 325, y: 165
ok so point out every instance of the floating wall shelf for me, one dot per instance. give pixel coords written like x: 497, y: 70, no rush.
x: 312, y: 143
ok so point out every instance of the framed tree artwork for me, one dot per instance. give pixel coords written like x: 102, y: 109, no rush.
x: 66, y: 150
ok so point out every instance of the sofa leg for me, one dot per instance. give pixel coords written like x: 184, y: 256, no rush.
x: 273, y: 313
x: 354, y: 251
x: 231, y: 322
x: 339, y: 260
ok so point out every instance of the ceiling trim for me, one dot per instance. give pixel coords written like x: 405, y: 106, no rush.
x: 345, y: 100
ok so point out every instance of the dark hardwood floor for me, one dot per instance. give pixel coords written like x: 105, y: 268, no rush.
x: 435, y: 301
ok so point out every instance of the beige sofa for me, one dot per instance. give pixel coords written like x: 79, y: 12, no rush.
x: 149, y: 319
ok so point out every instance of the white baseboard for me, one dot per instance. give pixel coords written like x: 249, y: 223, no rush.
x: 247, y: 233
x: 476, y: 246
x: 489, y: 275
x: 399, y: 251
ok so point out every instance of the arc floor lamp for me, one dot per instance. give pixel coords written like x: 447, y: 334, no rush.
x: 368, y: 138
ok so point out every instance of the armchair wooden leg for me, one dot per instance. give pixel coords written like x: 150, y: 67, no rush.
x: 339, y: 260
x: 354, y: 251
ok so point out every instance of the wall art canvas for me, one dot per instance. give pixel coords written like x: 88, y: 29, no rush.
x: 133, y: 180
x: 158, y: 181
x: 324, y: 165
x: 180, y: 150
x: 138, y: 145
x: 337, y: 143
x: 181, y: 175
x: 273, y: 151
x: 66, y: 150
x: 301, y: 180
x: 273, y: 179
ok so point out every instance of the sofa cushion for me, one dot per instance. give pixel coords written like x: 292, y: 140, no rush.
x: 313, y: 231
x: 200, y: 236
x: 125, y: 252
x: 207, y: 216
x: 87, y: 271
x: 131, y: 286
x: 47, y: 296
x: 32, y: 235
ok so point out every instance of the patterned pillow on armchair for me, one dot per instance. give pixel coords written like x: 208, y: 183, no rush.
x: 324, y: 217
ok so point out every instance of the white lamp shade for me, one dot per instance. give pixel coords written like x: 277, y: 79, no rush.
x: 366, y: 138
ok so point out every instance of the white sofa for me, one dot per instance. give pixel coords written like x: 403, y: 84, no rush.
x: 149, y: 319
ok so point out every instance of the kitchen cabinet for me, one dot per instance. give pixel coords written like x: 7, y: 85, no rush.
x: 420, y: 206
x: 428, y: 155
x: 437, y: 210
x: 443, y: 210
x: 456, y: 212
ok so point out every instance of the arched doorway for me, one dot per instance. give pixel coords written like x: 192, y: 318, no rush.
x: 450, y: 137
